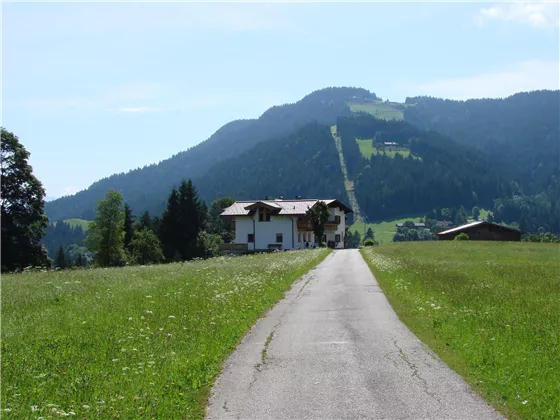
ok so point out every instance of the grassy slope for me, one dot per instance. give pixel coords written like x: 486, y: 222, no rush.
x: 135, y: 341
x: 367, y: 149
x: 380, y: 109
x: 491, y: 311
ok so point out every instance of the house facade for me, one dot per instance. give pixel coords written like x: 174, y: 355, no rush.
x: 482, y: 231
x: 283, y: 224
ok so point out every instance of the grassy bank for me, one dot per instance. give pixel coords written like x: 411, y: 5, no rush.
x: 133, y: 342
x: 491, y: 311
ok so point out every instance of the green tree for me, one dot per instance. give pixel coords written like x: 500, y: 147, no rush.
x: 209, y: 243
x: 60, y: 260
x: 490, y: 218
x: 145, y: 247
x: 106, y: 233
x: 191, y: 221
x: 22, y: 202
x: 216, y: 224
x: 475, y: 213
x: 461, y: 237
x: 319, y: 214
x: 169, y: 227
x: 80, y: 260
x: 128, y: 225
x: 145, y: 221
x: 369, y: 234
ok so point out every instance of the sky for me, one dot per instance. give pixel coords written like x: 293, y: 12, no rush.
x: 97, y: 88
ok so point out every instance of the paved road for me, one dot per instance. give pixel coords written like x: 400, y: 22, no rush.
x: 335, y: 349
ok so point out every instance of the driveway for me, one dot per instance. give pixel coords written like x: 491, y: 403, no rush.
x: 335, y: 349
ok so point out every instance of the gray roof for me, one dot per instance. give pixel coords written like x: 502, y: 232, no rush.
x: 287, y: 207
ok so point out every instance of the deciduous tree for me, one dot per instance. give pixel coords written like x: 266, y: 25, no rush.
x: 319, y: 214
x: 22, y: 201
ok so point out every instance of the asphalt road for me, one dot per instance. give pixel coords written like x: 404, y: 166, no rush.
x: 335, y: 349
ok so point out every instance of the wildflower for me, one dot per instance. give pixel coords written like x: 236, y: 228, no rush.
x: 83, y: 322
x: 34, y: 408
x: 115, y: 360
x: 130, y: 318
x: 524, y: 402
x: 149, y: 312
x: 7, y: 410
x: 149, y: 296
x: 172, y: 316
x: 85, y: 407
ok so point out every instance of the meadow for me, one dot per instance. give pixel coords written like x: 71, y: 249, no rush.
x: 382, y: 110
x: 367, y: 149
x: 490, y: 310
x: 383, y: 231
x: 132, y: 342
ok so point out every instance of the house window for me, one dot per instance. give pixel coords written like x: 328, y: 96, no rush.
x: 337, y: 237
x: 264, y: 214
x: 250, y: 238
x: 279, y: 238
x: 337, y: 219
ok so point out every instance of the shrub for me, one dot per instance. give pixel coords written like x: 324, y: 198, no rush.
x: 369, y: 242
x: 462, y: 237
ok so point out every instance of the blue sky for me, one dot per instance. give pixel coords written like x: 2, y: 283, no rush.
x: 93, y: 89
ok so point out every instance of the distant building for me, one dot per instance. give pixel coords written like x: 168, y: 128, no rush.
x: 416, y: 225
x: 283, y: 224
x: 390, y: 143
x: 482, y: 231
x: 444, y: 224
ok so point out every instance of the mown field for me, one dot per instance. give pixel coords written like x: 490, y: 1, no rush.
x: 367, y: 149
x: 134, y: 342
x: 384, y: 231
x: 379, y: 109
x: 491, y: 311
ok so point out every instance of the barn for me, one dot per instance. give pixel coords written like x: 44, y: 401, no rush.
x: 482, y: 231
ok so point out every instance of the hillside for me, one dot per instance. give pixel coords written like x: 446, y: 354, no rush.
x: 147, y: 188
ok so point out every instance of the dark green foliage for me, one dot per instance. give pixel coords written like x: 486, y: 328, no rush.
x: 80, y: 260
x: 446, y: 174
x: 304, y: 163
x: 106, y: 233
x: 22, y: 201
x: 209, y: 243
x: 319, y: 214
x: 147, y: 188
x: 218, y: 225
x: 145, y: 221
x: 182, y: 222
x: 369, y: 234
x: 521, y: 133
x: 475, y: 213
x: 354, y: 240
x: 409, y: 232
x: 461, y: 237
x: 62, y: 234
x: 369, y: 242
x: 60, y: 260
x: 145, y: 247
x: 542, y: 237
x: 128, y: 225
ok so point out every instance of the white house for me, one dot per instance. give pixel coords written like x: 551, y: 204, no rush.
x: 283, y: 224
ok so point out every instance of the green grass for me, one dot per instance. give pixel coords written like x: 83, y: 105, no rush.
x: 367, y: 149
x: 382, y: 110
x: 132, y: 342
x: 384, y: 231
x: 490, y: 310
x: 78, y: 222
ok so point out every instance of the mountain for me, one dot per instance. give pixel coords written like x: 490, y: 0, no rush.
x: 147, y: 188
x: 521, y: 133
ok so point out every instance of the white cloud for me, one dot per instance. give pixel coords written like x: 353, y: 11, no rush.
x: 524, y: 76
x: 536, y: 14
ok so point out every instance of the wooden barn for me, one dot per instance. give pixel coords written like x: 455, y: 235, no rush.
x: 482, y: 231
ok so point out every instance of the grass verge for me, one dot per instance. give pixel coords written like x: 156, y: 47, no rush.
x: 491, y: 311
x: 132, y: 342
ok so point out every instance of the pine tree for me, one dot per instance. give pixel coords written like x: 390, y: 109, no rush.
x: 145, y: 221
x: 369, y: 235
x: 80, y: 260
x: 128, y: 225
x: 169, y: 226
x: 60, y: 260
x: 191, y: 220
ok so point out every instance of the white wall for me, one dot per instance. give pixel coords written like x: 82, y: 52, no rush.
x: 265, y: 232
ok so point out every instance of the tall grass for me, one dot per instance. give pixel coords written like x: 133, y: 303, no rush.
x: 132, y: 342
x: 490, y: 310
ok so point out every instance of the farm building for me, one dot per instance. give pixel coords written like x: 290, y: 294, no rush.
x: 482, y: 231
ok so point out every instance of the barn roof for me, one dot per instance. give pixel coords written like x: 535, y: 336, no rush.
x: 477, y: 223
x: 286, y: 207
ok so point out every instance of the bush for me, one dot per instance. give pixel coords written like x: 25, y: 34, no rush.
x: 323, y: 244
x: 462, y: 237
x: 369, y: 242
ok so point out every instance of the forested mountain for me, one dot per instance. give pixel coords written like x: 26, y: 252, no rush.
x: 437, y: 172
x: 147, y: 188
x: 303, y: 163
x: 521, y: 133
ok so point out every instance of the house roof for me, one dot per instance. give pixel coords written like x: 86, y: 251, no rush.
x: 477, y: 223
x: 286, y: 207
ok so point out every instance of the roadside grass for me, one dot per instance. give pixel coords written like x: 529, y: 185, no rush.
x: 367, y: 149
x: 382, y: 110
x: 133, y: 342
x: 490, y: 310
